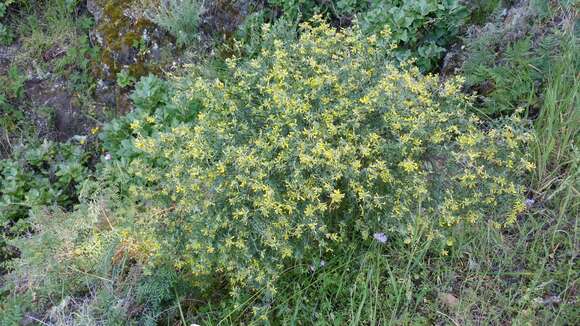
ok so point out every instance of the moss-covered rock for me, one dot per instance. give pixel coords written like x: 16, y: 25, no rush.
x: 128, y: 40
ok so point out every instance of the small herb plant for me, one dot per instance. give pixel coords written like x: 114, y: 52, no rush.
x: 179, y: 17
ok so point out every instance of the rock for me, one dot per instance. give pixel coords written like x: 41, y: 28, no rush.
x: 66, y: 121
x: 448, y: 299
x: 105, y: 93
x: 96, y: 9
x: 126, y: 38
x: 7, y: 54
x: 452, y: 62
x: 53, y: 53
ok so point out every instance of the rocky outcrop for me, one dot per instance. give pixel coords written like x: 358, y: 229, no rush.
x: 127, y: 39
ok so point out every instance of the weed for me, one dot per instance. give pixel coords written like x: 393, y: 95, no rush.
x: 124, y: 79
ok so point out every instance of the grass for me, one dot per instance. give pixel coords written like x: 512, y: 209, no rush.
x: 523, y: 276
x: 42, y: 27
x: 53, y: 48
x: 557, y: 128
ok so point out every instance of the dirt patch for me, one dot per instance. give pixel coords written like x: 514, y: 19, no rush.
x: 61, y: 117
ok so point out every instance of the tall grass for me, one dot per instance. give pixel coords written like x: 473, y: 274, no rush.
x: 557, y: 131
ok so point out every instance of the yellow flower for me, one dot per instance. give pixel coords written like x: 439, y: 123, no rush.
x: 336, y: 197
x: 409, y: 165
x: 135, y: 124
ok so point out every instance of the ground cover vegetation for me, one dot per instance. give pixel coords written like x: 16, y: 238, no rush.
x: 338, y: 162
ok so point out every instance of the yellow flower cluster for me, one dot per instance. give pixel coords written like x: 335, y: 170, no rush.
x: 316, y: 140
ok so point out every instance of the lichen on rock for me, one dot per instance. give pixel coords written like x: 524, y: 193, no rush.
x: 128, y: 40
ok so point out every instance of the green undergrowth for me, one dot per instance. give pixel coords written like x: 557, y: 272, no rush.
x: 421, y: 28
x: 508, y: 59
x: 54, y: 43
x: 557, y: 129
x: 180, y: 18
x: 526, y: 276
x: 37, y: 175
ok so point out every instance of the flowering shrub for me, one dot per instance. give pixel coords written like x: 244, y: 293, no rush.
x: 314, y: 143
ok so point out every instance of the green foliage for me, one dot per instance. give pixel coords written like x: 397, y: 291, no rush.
x: 11, y: 310
x: 85, y: 252
x: 13, y: 82
x: 36, y: 176
x: 507, y: 63
x: 314, y: 177
x: 151, y: 95
x: 76, y: 65
x: 11, y: 117
x: 481, y: 10
x: 420, y: 28
x: 71, y: 271
x: 557, y: 131
x: 179, y: 17
x: 225, y: 183
x: 156, y: 108
x: 6, y: 35
x: 13, y: 88
x: 250, y: 36
x: 40, y: 175
x: 304, y: 9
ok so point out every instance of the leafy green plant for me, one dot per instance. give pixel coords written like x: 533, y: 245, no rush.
x: 481, y: 10
x: 76, y: 65
x: 156, y: 108
x: 41, y: 175
x: 339, y: 10
x: 13, y: 84
x: 507, y: 63
x: 150, y: 96
x: 421, y: 28
x: 179, y: 17
x: 11, y: 117
x: 6, y: 35
x: 35, y: 176
x: 124, y: 79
